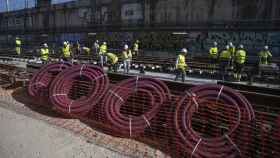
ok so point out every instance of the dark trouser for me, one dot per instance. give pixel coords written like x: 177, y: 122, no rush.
x: 238, y: 71
x: 114, y: 67
x: 182, y: 73
x: 66, y: 59
x: 238, y: 68
x: 223, y: 68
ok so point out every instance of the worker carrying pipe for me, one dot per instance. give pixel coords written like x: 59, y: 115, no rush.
x: 240, y: 59
x: 181, y: 65
x: 18, y: 46
x: 264, y: 55
x: 44, y: 53
x: 66, y: 53
x: 224, y: 59
x: 127, y: 57
x: 213, y: 53
x: 102, y: 54
x: 112, y: 61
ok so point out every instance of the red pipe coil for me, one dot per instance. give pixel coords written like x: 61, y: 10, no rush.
x: 156, y: 93
x: 41, y: 80
x: 60, y: 96
x: 196, y: 145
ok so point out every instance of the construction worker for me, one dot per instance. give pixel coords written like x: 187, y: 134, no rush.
x: 102, y: 54
x: 18, y: 46
x: 232, y: 51
x: 264, y: 55
x: 66, y: 54
x: 225, y: 59
x: 96, y: 47
x: 136, y: 48
x: 181, y: 65
x: 213, y: 53
x: 127, y: 56
x: 240, y: 59
x: 113, y: 61
x: 44, y: 53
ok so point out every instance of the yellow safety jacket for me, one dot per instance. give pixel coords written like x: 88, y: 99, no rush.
x: 213, y: 51
x: 66, y: 51
x: 103, y: 49
x: 18, y: 46
x: 44, y: 53
x: 225, y: 55
x: 112, y: 58
x: 126, y: 54
x: 264, y: 55
x: 240, y: 56
x: 181, y: 62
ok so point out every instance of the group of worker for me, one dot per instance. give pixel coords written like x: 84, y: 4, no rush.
x: 229, y: 58
x: 105, y: 57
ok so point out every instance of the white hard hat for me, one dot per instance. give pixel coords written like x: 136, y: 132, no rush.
x: 45, y: 45
x: 97, y: 41
x: 184, y: 50
x: 65, y: 43
x: 227, y: 46
x: 215, y: 43
x: 230, y: 44
x: 104, y: 43
x: 241, y: 46
x: 266, y: 47
x: 126, y: 46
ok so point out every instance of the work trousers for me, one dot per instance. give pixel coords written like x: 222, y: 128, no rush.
x: 126, y: 65
x: 182, y: 73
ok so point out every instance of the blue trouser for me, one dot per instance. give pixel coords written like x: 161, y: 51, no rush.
x: 126, y: 65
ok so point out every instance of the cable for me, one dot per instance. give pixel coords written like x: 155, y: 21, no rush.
x: 76, y: 90
x: 196, y: 145
x: 41, y: 80
x: 148, y: 90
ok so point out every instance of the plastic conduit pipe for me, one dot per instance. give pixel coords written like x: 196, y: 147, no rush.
x: 42, y: 79
x: 132, y: 126
x: 59, y: 92
x: 196, y: 145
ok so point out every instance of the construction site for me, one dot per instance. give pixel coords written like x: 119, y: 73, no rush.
x: 139, y: 79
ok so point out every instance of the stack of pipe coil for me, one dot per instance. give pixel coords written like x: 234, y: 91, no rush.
x: 86, y: 76
x: 41, y: 80
x: 132, y: 125
x: 196, y: 145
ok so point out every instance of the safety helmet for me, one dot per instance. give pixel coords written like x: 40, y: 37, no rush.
x: 137, y: 41
x: 227, y: 46
x: 184, y: 50
x: 266, y: 47
x: 230, y: 44
x: 241, y: 46
x: 104, y: 43
x: 45, y: 45
x: 64, y: 43
x: 96, y: 41
x: 17, y: 37
x: 125, y: 46
x: 215, y: 43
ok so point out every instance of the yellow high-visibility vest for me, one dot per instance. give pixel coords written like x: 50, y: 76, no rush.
x: 66, y: 51
x: 225, y: 55
x: 213, y: 51
x: 44, y: 53
x: 181, y: 62
x: 103, y: 49
x: 112, y: 58
x: 240, y: 56
x: 126, y: 54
